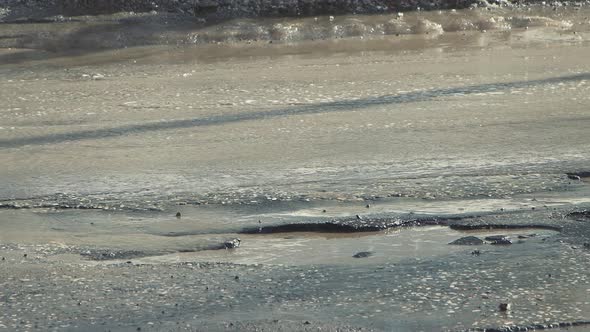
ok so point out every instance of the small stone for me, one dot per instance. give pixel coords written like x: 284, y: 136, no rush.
x: 368, y: 206
x: 324, y: 211
x: 25, y: 255
x: 236, y: 278
x: 178, y: 215
x: 232, y: 244
x: 475, y: 253
x: 504, y: 307
x: 358, y: 217
x: 307, y: 322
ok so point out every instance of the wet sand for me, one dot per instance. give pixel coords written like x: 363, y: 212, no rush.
x: 102, y: 148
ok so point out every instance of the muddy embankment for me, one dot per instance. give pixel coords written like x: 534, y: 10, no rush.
x: 11, y: 10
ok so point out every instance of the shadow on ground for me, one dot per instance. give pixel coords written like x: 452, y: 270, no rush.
x: 338, y: 106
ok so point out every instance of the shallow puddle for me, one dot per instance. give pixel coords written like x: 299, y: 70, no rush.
x: 381, y: 247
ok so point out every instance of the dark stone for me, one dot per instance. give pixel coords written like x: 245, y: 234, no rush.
x: 178, y: 215
x: 307, y: 322
x: 504, y: 306
x: 363, y: 254
x: 468, y: 241
x: 232, y: 244
x: 476, y: 253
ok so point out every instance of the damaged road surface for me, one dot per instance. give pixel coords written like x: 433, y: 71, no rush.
x: 420, y: 171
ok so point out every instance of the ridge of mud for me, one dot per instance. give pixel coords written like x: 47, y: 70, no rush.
x: 582, y: 215
x: 345, y: 225
x: 473, y: 227
x: 533, y: 327
x: 379, y: 224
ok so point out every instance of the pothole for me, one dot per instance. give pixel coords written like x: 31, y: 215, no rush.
x: 394, y: 245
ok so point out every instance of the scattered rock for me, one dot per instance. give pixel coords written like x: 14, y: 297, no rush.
x: 363, y: 254
x: 475, y: 252
x: 504, y: 307
x: 468, y: 241
x: 368, y: 206
x: 178, y: 215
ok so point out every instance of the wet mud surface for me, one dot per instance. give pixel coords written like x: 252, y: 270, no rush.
x: 416, y: 172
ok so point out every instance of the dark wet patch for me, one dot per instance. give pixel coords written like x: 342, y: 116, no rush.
x: 363, y: 254
x: 578, y: 175
x: 468, y: 241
